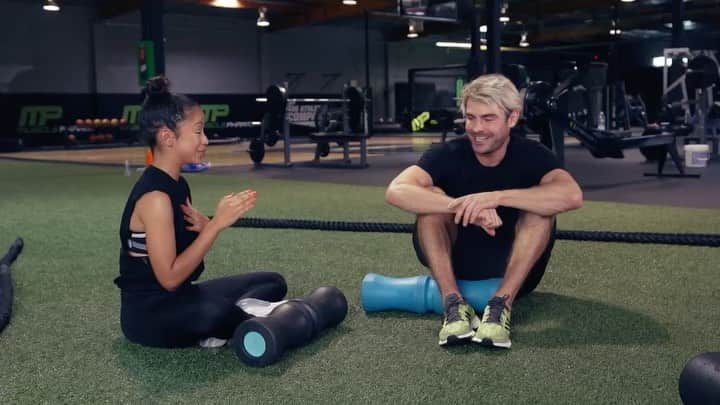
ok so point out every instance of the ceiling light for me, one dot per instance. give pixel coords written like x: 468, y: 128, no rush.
x: 659, y: 61
x: 415, y: 28
x: 460, y: 45
x: 50, y: 5
x: 523, y: 40
x: 225, y: 3
x: 349, y: 2
x: 504, y: 18
x: 262, y: 20
x: 687, y: 25
x: 627, y: 1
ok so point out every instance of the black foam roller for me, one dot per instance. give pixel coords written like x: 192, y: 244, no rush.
x: 262, y: 341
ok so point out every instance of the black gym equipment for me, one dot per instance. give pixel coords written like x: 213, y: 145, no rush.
x: 699, y: 382
x: 256, y: 150
x: 6, y: 287
x: 336, y: 120
x: 636, y: 111
x: 688, y: 93
x: 702, y: 72
x: 542, y: 114
x: 428, y: 102
x: 686, y: 239
x: 260, y: 342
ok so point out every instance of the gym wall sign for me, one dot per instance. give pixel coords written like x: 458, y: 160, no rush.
x: 35, y: 119
x: 302, y: 113
x: 418, y: 123
x: 47, y: 119
x: 212, y: 112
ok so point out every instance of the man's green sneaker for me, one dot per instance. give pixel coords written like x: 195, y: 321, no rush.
x: 494, y: 329
x: 459, y: 322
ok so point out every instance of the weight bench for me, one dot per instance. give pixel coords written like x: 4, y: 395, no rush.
x: 323, y: 139
x: 602, y: 144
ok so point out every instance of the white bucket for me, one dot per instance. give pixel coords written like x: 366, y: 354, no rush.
x: 696, y: 155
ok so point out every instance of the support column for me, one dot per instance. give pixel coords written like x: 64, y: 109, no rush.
x: 151, y: 16
x: 678, y: 26
x: 493, y: 36
x: 474, y: 65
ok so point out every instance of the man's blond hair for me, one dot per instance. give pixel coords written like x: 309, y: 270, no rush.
x: 492, y: 89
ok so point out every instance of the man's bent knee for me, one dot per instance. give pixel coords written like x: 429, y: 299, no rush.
x: 435, y: 220
x: 528, y: 219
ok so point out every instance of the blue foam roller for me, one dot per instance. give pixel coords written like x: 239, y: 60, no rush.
x: 420, y: 294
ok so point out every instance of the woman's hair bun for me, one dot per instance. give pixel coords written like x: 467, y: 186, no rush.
x: 158, y: 86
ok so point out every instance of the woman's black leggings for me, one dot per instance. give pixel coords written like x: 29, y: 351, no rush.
x: 184, y: 317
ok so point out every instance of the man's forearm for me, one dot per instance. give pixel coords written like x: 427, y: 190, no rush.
x: 418, y: 200
x: 545, y: 199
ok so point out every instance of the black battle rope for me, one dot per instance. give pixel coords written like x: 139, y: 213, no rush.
x: 6, y: 288
x: 688, y: 239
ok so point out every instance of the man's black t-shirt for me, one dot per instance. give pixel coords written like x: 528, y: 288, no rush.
x: 455, y: 169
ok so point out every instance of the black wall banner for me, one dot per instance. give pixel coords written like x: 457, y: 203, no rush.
x: 61, y: 119
x: 55, y: 120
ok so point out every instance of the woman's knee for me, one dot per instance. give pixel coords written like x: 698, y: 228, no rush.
x: 213, y: 318
x: 269, y: 285
x: 280, y: 283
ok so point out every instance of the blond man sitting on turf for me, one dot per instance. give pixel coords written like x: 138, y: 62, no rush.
x: 486, y: 206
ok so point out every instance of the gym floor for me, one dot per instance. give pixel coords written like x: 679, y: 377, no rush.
x: 620, y: 180
x: 610, y: 322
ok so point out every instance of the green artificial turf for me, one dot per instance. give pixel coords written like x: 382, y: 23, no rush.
x: 610, y: 323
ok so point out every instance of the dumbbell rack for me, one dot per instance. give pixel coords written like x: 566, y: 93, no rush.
x: 106, y: 126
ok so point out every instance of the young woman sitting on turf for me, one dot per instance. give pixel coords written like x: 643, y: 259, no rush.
x: 164, y: 238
